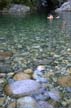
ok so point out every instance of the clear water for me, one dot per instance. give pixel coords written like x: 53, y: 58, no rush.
x: 35, y: 40
x: 35, y: 36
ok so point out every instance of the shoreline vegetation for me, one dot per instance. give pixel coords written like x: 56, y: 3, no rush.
x: 46, y: 5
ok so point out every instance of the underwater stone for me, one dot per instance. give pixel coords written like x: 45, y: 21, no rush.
x: 22, y: 88
x: 21, y: 76
x: 27, y: 102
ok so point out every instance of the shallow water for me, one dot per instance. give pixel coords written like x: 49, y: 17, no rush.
x: 34, y: 40
x: 35, y: 36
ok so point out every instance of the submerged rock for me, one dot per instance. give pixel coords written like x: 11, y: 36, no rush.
x: 69, y: 69
x: 21, y: 76
x: 22, y: 88
x: 28, y: 71
x: 38, y: 74
x: 54, y: 94
x: 5, y: 68
x: 45, y: 104
x: 42, y: 95
x: 2, y: 75
x: 12, y: 105
x: 68, y: 89
x: 6, y: 54
x: 1, y: 101
x: 27, y: 102
x: 65, y: 81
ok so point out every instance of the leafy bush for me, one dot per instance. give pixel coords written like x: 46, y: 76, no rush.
x: 4, y: 3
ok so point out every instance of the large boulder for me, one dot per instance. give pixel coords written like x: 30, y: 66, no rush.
x: 64, y: 7
x: 18, y: 9
x: 22, y: 88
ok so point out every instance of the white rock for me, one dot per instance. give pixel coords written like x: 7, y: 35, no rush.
x: 40, y: 68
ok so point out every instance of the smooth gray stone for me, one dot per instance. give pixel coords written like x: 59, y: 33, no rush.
x: 22, y: 88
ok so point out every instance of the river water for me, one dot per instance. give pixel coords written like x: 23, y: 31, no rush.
x: 35, y: 40
x: 35, y: 36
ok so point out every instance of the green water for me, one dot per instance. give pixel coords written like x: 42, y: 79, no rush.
x: 35, y: 36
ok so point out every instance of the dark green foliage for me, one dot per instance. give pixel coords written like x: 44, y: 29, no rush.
x: 19, y: 1
x: 5, y: 3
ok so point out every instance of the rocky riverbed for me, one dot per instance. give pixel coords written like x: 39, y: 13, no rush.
x: 35, y: 63
x: 51, y: 86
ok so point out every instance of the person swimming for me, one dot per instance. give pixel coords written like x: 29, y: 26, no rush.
x: 51, y: 17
